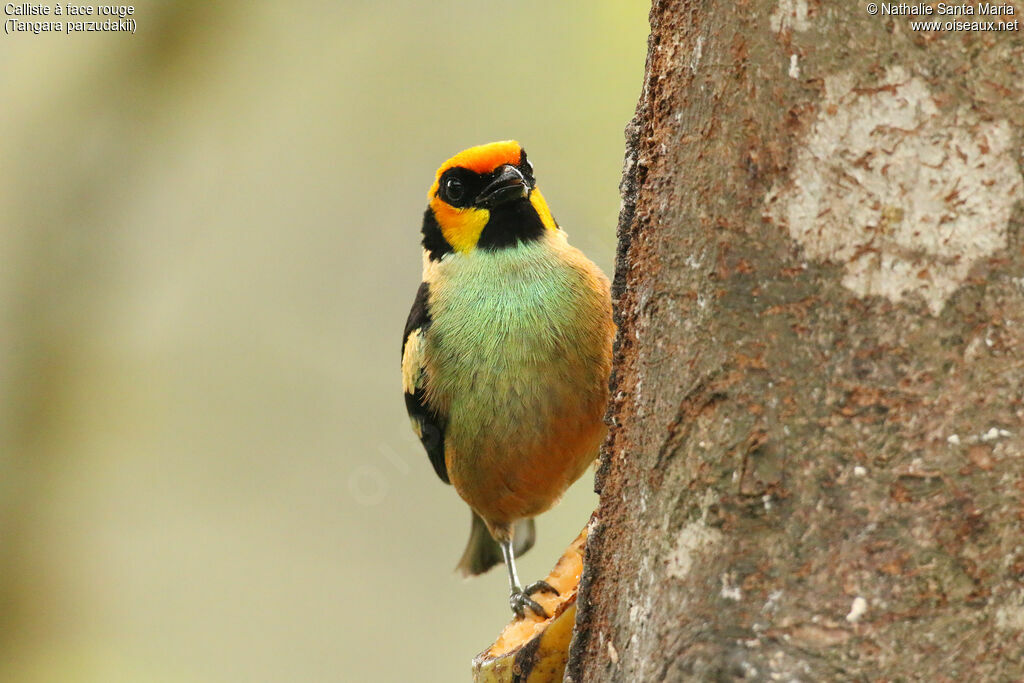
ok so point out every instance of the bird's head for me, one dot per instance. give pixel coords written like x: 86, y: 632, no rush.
x: 484, y: 197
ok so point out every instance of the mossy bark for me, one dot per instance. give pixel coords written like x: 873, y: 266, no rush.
x: 815, y: 469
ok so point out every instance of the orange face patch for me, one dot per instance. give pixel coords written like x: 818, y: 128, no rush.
x: 462, y: 226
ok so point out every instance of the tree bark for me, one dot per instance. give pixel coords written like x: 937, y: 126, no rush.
x: 815, y: 469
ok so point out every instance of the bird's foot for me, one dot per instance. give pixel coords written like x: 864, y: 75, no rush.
x: 520, y: 599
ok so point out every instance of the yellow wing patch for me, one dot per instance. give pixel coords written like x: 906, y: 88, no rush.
x: 412, y: 362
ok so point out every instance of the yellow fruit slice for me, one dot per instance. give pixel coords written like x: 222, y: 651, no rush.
x: 532, y: 649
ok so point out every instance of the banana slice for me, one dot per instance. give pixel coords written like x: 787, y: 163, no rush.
x: 532, y: 649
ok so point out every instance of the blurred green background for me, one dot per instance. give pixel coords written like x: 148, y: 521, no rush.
x: 208, y: 248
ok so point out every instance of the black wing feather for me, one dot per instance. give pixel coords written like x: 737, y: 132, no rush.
x: 431, y: 422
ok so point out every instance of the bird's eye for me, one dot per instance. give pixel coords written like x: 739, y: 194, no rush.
x: 454, y: 189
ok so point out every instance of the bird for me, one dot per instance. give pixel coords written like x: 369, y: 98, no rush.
x: 506, y: 354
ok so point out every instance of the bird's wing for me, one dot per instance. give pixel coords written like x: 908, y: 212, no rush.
x: 428, y: 423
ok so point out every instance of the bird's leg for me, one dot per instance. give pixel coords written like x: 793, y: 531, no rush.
x: 519, y: 599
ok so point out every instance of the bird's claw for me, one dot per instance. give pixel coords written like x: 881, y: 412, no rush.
x: 540, y: 587
x: 520, y: 601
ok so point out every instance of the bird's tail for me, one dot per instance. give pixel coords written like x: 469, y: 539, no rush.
x: 483, y: 552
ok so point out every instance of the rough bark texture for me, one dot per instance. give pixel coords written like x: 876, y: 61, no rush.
x: 816, y: 464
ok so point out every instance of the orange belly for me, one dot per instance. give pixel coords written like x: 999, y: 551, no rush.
x: 509, y: 479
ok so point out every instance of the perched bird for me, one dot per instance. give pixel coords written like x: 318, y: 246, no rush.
x: 506, y: 353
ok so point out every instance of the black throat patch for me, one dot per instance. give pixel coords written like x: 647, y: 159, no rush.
x: 511, y: 224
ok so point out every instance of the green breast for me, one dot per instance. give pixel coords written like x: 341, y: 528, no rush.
x: 517, y: 336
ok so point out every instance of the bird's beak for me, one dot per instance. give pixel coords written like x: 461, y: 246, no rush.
x: 508, y: 185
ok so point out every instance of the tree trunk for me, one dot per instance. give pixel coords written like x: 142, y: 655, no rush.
x: 815, y: 469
